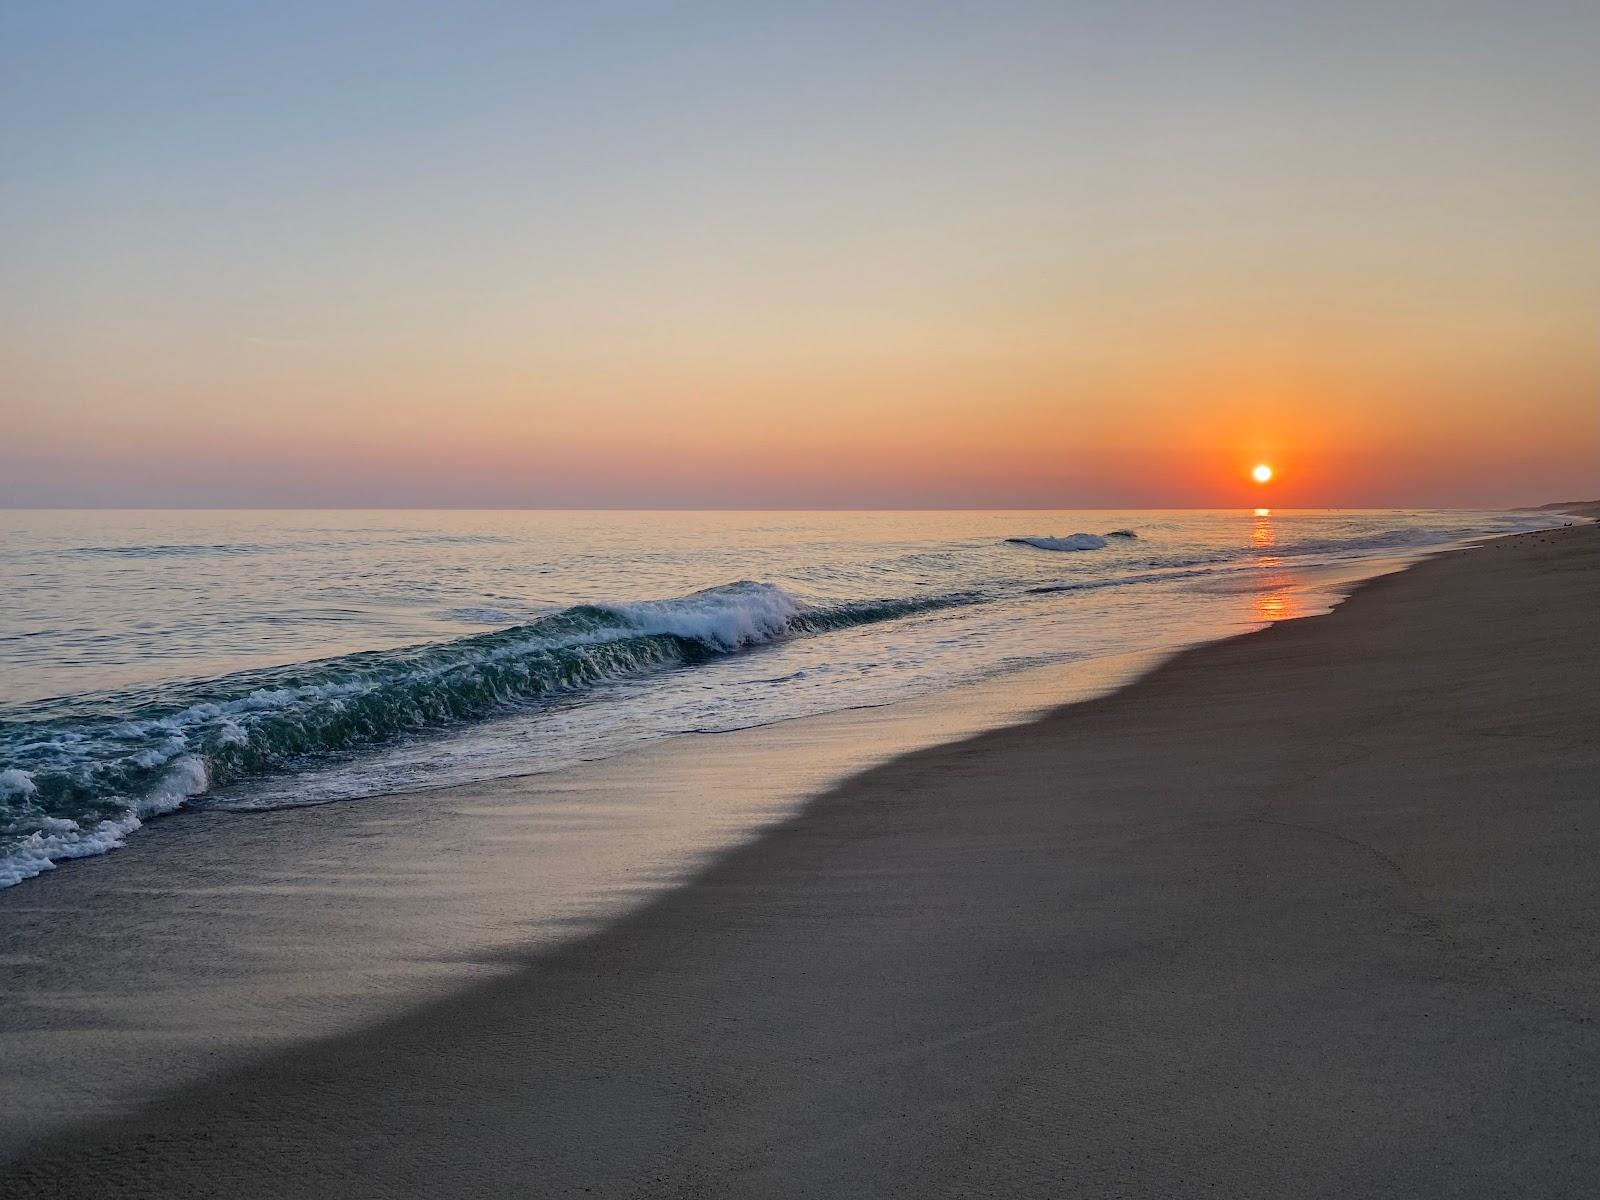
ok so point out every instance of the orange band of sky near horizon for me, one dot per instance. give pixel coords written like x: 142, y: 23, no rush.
x: 809, y: 258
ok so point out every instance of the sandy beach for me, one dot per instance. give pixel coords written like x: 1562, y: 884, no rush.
x: 1311, y: 911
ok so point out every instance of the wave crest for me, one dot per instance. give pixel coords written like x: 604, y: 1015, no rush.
x: 77, y: 783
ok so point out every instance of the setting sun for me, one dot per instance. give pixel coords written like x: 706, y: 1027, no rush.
x: 1262, y: 473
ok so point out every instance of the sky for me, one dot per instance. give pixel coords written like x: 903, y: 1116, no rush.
x: 798, y: 255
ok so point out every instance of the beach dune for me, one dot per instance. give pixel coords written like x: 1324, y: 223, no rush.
x: 1310, y: 912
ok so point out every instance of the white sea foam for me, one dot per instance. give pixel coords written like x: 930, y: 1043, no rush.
x: 725, y: 618
x: 59, y: 839
x: 186, y: 777
x: 16, y: 783
x: 40, y: 851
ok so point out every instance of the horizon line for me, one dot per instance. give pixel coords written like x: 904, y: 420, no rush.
x: 1555, y: 505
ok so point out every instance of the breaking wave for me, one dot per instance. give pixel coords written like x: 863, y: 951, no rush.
x: 82, y: 774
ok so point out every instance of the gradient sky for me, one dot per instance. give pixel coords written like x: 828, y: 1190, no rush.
x: 811, y: 254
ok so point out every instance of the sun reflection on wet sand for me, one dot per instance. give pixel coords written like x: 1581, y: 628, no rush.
x: 1275, y: 606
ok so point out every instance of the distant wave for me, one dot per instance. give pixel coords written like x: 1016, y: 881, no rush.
x: 1334, y: 548
x: 1122, y: 533
x: 76, y: 782
x: 482, y: 616
x: 447, y: 539
x: 1077, y: 541
x: 1388, y: 539
x: 229, y: 549
x: 181, y: 549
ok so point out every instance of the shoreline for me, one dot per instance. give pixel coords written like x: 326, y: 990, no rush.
x: 223, y: 937
x: 349, y: 913
x: 763, y: 873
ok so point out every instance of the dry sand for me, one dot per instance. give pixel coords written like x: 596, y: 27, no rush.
x: 1314, y: 911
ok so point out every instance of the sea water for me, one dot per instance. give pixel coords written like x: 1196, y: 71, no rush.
x: 153, y: 662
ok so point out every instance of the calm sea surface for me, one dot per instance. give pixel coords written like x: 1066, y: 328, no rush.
x: 155, y: 661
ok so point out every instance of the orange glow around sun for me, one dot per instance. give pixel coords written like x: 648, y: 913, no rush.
x: 1262, y: 473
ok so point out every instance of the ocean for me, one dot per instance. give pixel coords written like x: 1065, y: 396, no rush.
x: 158, y: 663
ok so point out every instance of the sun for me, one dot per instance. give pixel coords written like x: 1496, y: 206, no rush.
x: 1262, y: 473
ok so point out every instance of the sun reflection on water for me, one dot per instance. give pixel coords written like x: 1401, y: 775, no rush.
x: 1275, y: 602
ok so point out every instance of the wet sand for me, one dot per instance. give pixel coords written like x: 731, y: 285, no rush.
x: 1312, y: 911
x: 218, y: 937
